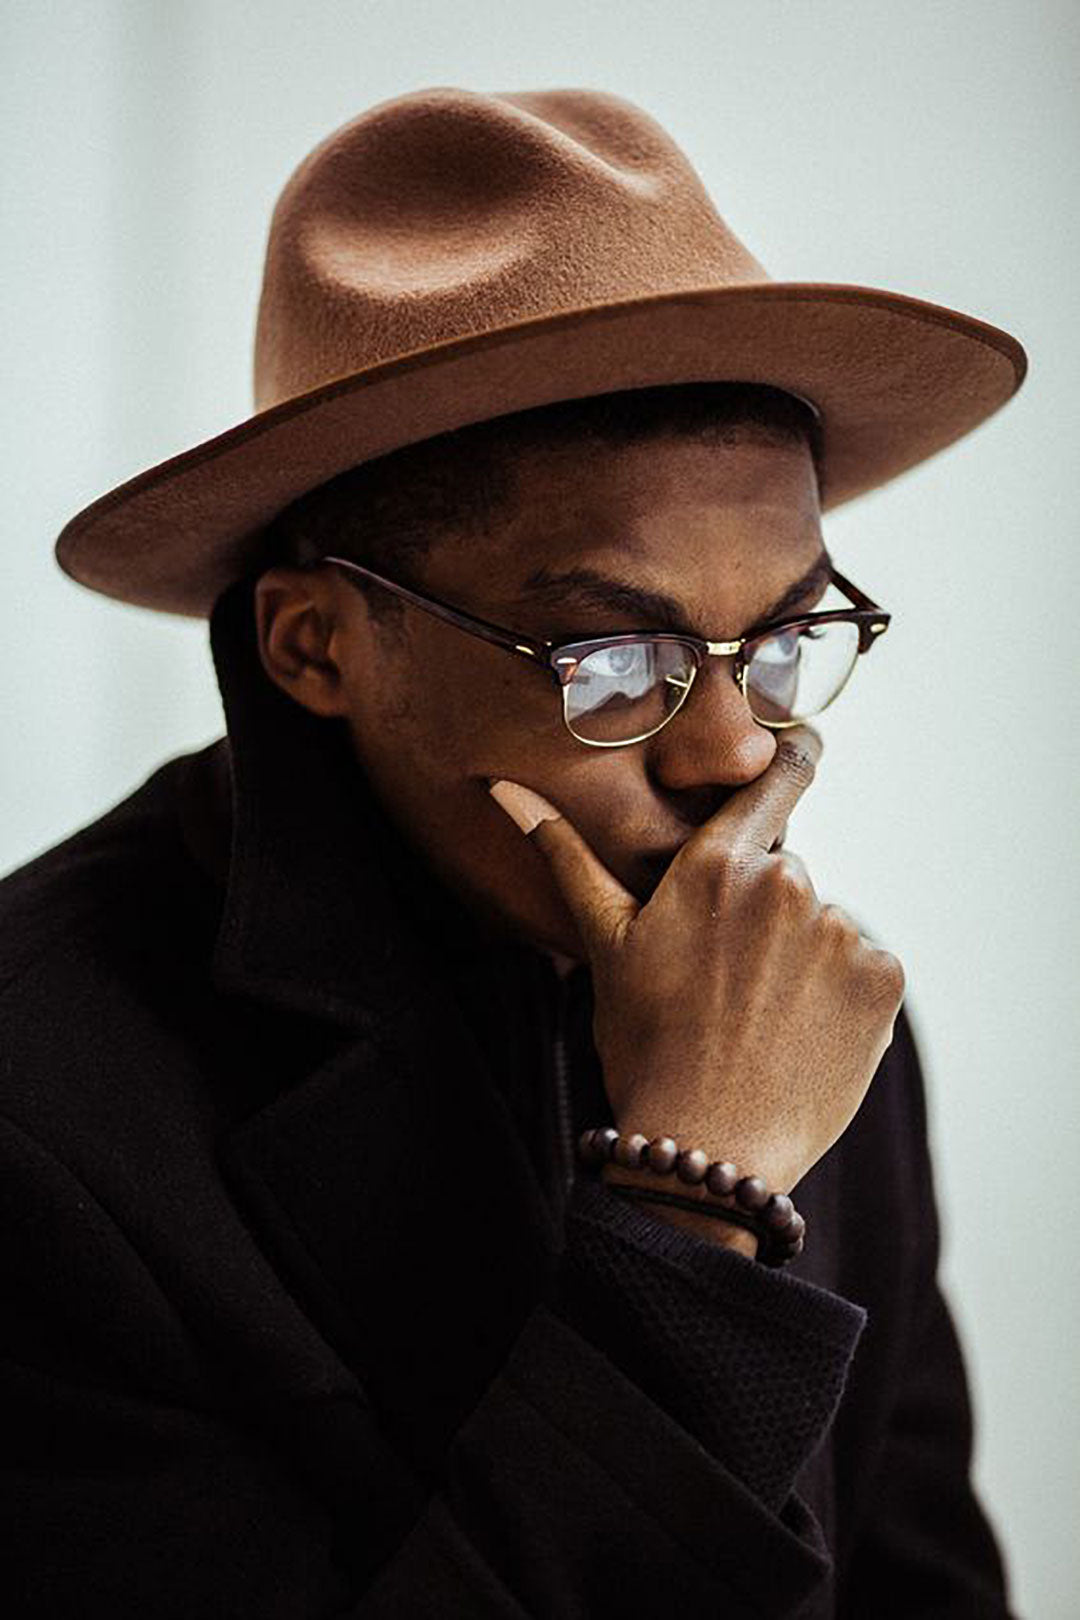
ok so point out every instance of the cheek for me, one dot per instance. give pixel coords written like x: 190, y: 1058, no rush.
x: 402, y: 694
x: 418, y: 727
x: 426, y: 745
x: 469, y: 722
x: 421, y: 721
x: 426, y: 721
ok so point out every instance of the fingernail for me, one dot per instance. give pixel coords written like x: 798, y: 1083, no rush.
x: 522, y: 805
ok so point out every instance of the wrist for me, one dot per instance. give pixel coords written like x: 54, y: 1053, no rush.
x: 722, y: 1234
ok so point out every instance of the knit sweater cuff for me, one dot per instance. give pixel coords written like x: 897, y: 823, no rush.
x: 749, y: 1360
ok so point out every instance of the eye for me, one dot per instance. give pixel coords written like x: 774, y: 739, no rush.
x: 783, y: 647
x: 618, y: 662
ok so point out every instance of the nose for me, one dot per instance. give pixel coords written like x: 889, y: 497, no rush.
x: 713, y: 739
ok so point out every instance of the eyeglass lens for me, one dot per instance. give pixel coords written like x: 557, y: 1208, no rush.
x: 621, y: 693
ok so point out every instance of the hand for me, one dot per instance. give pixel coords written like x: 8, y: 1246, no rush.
x: 733, y: 1011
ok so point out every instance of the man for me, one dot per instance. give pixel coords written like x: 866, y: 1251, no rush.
x: 311, y: 1307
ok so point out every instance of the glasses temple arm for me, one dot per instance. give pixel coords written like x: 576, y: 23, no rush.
x: 853, y: 592
x: 501, y: 637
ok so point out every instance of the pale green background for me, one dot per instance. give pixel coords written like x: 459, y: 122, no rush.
x: 927, y: 148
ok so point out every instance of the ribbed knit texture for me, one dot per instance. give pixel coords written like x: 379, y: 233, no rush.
x: 751, y: 1362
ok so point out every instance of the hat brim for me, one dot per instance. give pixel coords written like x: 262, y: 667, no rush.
x: 895, y: 379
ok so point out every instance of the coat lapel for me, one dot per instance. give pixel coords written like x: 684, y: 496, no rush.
x: 391, y: 1185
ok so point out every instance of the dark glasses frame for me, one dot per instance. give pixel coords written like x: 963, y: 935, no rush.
x: 561, y: 658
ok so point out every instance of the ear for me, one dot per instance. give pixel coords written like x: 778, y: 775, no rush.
x: 298, y: 620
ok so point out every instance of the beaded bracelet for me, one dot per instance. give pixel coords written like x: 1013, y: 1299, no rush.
x: 779, y: 1227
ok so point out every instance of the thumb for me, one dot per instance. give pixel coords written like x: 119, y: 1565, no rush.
x: 600, y: 905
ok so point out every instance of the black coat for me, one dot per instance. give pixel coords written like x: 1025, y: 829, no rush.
x: 307, y: 1314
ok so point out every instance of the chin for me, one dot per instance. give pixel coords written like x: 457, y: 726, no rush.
x: 546, y: 927
x: 550, y: 927
x: 557, y: 935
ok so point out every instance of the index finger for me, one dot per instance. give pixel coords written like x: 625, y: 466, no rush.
x: 755, y: 814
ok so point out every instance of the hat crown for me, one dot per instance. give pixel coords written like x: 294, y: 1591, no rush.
x: 448, y: 212
x: 449, y: 257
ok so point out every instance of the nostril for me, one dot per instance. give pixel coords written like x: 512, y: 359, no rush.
x: 693, y: 806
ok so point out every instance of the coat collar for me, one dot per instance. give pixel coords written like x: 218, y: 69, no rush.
x: 391, y: 1185
x: 328, y: 909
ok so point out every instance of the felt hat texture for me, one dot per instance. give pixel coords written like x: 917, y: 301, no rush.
x: 451, y: 255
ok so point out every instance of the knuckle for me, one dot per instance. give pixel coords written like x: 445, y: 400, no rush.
x: 787, y: 878
x: 838, y: 927
x: 719, y: 878
x: 889, y: 970
x: 713, y: 863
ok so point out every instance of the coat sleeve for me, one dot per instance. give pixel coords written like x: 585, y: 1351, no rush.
x: 586, y: 1478
x: 641, y: 1440
x: 924, y: 1544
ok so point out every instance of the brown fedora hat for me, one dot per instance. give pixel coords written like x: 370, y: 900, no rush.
x: 451, y: 256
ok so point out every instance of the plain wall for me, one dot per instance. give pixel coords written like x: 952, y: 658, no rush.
x: 929, y: 149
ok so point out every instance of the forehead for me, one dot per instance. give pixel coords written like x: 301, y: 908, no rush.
x: 727, y: 520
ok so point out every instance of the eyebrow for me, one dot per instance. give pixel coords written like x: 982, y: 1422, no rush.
x: 585, y: 587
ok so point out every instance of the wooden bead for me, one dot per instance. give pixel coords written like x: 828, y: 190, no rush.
x: 586, y: 1152
x: 721, y: 1178
x: 752, y: 1193
x: 663, y: 1151
x: 781, y: 1247
x: 628, y: 1150
x: 781, y: 1229
x: 691, y: 1165
x: 594, y: 1146
x: 779, y: 1254
x: 778, y: 1211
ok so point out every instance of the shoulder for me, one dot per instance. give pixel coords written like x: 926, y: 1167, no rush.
x: 94, y: 877
x: 100, y: 937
